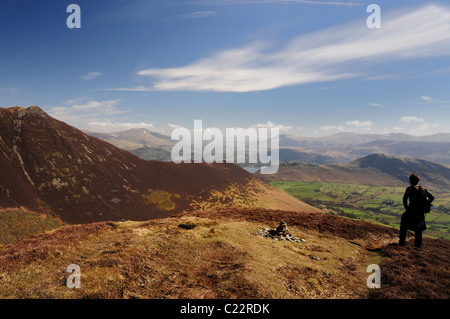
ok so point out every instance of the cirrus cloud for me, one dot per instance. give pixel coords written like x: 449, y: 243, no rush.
x: 348, y: 51
x: 90, y: 76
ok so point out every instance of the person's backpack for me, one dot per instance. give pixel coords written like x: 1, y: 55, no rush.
x: 424, y: 200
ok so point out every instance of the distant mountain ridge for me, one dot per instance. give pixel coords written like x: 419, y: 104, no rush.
x: 338, y: 148
x: 139, y: 137
x: 343, y: 148
x: 140, y: 142
x: 349, y: 138
x: 373, y: 170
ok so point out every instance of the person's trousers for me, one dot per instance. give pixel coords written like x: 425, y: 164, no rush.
x: 417, y: 236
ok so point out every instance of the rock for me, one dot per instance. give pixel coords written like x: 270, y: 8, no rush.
x: 187, y: 225
x: 280, y: 233
x: 32, y: 111
x: 282, y: 229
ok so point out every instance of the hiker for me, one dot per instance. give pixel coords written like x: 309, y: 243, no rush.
x: 414, y: 216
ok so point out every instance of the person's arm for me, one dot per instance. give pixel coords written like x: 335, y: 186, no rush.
x: 430, y: 196
x: 405, y: 198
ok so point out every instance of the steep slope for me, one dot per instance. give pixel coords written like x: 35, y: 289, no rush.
x: 334, y: 173
x: 48, y: 165
x: 433, y: 174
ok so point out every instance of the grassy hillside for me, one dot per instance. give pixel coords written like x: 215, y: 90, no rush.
x: 344, y: 173
x: 377, y: 204
x: 16, y: 224
x: 220, y: 256
x: 373, y: 170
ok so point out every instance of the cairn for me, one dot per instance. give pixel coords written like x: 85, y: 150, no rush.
x: 280, y: 233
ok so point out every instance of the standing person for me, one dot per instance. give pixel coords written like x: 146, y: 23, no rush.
x: 414, y: 216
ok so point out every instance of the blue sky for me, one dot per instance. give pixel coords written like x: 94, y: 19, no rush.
x: 311, y: 68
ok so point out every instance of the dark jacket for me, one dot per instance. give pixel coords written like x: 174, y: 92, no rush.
x: 414, y: 216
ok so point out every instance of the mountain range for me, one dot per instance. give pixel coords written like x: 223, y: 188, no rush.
x: 339, y: 148
x: 346, y: 147
x: 349, y: 138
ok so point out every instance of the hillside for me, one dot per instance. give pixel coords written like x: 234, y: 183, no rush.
x: 346, y: 147
x: 373, y: 170
x: 49, y: 166
x: 222, y: 255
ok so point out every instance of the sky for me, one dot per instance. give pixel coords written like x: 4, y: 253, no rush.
x: 309, y: 68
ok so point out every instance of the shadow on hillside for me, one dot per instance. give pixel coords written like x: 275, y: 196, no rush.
x: 410, y: 273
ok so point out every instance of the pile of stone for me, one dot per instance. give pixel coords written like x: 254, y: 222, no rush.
x: 280, y: 233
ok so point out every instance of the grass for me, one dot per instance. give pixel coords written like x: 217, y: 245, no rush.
x: 16, y: 224
x: 223, y: 257
x: 158, y: 259
x: 254, y: 194
x: 161, y: 199
x: 380, y: 205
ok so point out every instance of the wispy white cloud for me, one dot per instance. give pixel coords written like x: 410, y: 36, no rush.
x: 427, y: 98
x: 90, y: 76
x: 107, y: 126
x: 269, y: 124
x: 349, y: 126
x: 277, y: 2
x: 426, y: 126
x: 409, y: 119
x: 78, y: 112
x: 334, y: 128
x: 344, y: 52
x: 376, y: 104
x: 432, y: 100
x: 173, y: 126
x: 100, y: 116
x: 196, y: 15
x: 359, y: 124
x: 416, y: 125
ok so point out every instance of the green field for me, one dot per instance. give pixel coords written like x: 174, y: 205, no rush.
x: 381, y: 205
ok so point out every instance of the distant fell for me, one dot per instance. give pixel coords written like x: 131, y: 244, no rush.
x: 373, y: 170
x: 346, y: 147
x: 401, y: 168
